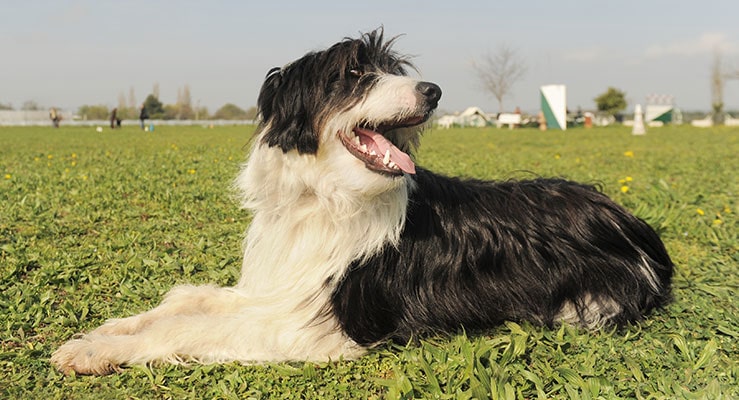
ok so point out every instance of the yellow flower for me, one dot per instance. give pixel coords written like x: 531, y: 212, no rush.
x: 557, y: 156
x: 727, y: 210
x: 8, y: 176
x: 191, y: 171
x: 628, y: 179
x: 629, y: 153
x: 50, y: 156
x: 624, y: 189
x: 717, y: 221
x: 700, y: 212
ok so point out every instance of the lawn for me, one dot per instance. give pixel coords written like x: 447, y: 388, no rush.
x: 100, y: 225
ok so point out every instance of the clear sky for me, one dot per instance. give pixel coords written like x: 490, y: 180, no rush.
x: 69, y: 53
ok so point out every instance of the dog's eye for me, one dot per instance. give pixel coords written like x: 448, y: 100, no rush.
x: 356, y: 72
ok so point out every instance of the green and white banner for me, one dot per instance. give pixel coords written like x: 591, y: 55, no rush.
x: 554, y: 106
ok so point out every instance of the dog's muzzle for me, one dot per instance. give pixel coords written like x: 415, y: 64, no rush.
x: 379, y: 154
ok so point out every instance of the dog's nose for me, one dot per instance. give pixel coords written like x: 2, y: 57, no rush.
x: 431, y: 91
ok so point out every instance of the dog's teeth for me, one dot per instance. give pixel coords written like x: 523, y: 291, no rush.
x: 356, y: 141
x: 363, y: 148
x: 373, y: 153
x: 386, y: 159
x: 391, y: 164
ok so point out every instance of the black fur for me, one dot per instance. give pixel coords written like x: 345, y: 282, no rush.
x: 476, y: 253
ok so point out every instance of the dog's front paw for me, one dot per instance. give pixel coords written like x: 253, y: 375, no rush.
x: 83, y: 356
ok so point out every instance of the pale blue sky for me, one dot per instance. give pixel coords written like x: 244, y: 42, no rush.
x: 69, y: 53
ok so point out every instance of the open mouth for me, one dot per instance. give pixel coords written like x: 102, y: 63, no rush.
x: 377, y: 152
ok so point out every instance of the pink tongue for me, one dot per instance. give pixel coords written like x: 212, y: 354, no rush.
x: 375, y: 141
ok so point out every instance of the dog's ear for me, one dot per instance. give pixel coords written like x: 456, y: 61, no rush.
x: 286, y: 111
x: 267, y: 93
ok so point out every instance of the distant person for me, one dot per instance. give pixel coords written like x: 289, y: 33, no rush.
x: 114, y: 120
x: 542, y: 121
x: 55, y: 117
x: 143, y: 116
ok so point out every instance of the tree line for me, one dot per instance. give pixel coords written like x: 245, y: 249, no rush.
x: 155, y: 109
x: 128, y: 108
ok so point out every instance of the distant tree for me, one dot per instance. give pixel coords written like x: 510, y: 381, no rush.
x: 93, y: 112
x: 132, y: 99
x: 612, y: 102
x: 121, y: 100
x: 154, y: 107
x: 30, y: 105
x: 184, y: 104
x: 4, y: 106
x: 251, y: 113
x: 717, y: 90
x: 124, y: 111
x: 202, y: 113
x: 171, y: 111
x: 230, y: 111
x: 720, y: 73
x: 499, y: 71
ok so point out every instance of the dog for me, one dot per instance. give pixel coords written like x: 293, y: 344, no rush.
x: 351, y: 244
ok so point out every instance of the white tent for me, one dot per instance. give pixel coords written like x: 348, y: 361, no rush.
x: 472, y: 116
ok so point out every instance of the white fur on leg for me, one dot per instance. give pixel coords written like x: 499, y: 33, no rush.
x: 590, y: 311
x: 222, y: 326
x: 181, y: 300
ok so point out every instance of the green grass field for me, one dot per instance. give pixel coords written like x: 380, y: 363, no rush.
x: 101, y: 225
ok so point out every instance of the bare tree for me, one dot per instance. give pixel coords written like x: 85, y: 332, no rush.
x: 121, y: 102
x: 132, y: 99
x: 717, y: 90
x: 184, y: 103
x: 719, y: 76
x: 499, y: 71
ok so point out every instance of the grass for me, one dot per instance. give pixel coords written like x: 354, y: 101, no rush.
x: 100, y: 225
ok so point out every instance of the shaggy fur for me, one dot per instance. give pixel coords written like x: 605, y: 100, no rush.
x: 351, y: 244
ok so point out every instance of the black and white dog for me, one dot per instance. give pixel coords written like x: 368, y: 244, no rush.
x: 351, y: 244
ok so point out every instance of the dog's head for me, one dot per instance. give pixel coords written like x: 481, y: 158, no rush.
x: 354, y: 95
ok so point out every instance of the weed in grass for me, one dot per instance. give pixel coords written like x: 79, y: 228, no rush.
x: 101, y: 225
